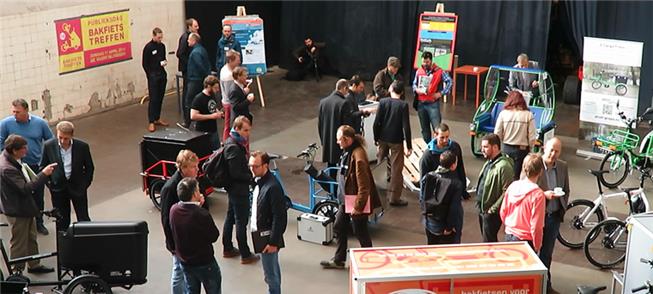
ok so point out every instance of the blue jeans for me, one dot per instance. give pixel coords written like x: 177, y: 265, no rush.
x: 208, y: 275
x: 513, y: 238
x: 178, y: 284
x: 429, y: 116
x: 551, y: 230
x: 238, y: 215
x: 272, y: 272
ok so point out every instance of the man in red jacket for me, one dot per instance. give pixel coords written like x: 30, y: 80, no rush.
x: 430, y: 84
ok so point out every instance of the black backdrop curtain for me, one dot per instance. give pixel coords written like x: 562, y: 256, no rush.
x: 360, y: 35
x: 621, y: 20
x: 495, y: 32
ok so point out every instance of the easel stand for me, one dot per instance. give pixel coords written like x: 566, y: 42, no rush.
x: 240, y: 11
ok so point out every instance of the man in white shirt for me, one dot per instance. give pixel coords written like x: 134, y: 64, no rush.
x: 227, y: 84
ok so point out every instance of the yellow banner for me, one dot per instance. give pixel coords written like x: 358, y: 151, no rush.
x: 105, y: 30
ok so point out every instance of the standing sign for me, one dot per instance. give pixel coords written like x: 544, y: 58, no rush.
x: 611, y: 74
x: 437, y: 34
x: 248, y: 31
x: 92, y: 40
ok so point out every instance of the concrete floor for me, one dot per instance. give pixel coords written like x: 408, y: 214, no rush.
x: 286, y: 126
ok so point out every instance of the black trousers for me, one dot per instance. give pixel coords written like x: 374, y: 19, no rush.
x: 194, y: 88
x: 432, y: 239
x: 61, y: 201
x: 341, y: 229
x: 517, y: 154
x: 156, y: 87
x: 38, y: 195
x: 237, y: 214
x: 490, y: 224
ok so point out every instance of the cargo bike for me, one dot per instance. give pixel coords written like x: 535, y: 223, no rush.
x: 91, y: 257
x: 540, y: 101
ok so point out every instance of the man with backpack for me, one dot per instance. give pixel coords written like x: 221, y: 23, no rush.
x: 235, y: 158
x: 440, y: 201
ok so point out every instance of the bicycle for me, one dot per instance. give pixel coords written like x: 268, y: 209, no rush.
x: 584, y: 215
x: 618, y: 81
x: 621, y: 146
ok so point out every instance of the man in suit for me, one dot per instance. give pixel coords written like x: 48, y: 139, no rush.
x: 555, y: 175
x: 241, y: 96
x: 269, y: 218
x: 18, y: 183
x: 521, y: 80
x: 334, y: 112
x: 69, y: 182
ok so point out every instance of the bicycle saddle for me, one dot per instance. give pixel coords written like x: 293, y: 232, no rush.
x: 590, y: 289
x: 276, y: 156
x: 628, y: 190
x: 597, y: 173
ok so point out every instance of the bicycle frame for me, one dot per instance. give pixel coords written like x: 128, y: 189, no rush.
x: 599, y: 203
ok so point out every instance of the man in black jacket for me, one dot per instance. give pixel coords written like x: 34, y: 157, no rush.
x: 334, y: 112
x: 69, y: 182
x: 269, y: 218
x: 154, y: 61
x: 18, y: 182
x: 183, y: 51
x: 391, y: 129
x: 235, y: 154
x: 194, y: 233
x: 442, y: 209
x: 187, y: 167
x: 356, y: 95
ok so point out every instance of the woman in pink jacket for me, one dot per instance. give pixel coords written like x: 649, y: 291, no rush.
x: 523, y: 207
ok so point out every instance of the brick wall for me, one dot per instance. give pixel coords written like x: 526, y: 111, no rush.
x: 29, y: 64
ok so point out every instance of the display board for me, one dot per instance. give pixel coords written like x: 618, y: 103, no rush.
x: 93, y: 40
x: 461, y: 268
x: 436, y: 34
x: 249, y: 32
x: 611, y: 73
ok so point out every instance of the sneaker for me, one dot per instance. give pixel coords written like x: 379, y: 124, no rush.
x: 42, y: 229
x: 41, y: 269
x: 332, y: 264
x: 183, y: 125
x: 399, y: 202
x: 251, y: 259
x: 231, y: 253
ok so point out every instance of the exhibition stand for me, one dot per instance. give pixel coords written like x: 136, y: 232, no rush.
x: 507, y: 267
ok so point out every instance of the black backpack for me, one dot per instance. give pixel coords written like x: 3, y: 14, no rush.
x: 434, y: 190
x: 216, y: 169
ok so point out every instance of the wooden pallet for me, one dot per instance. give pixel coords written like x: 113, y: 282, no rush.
x: 411, y: 165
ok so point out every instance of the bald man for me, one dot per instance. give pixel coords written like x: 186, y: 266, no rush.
x: 555, y: 175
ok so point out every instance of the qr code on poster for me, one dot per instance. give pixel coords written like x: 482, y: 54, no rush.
x: 607, y: 109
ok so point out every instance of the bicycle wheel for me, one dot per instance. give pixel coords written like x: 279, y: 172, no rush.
x: 577, y: 223
x: 87, y: 284
x: 476, y: 144
x: 596, y: 85
x: 621, y: 89
x: 605, y: 244
x: 618, y: 165
x: 155, y: 193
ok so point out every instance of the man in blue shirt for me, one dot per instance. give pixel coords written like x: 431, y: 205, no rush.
x: 227, y: 42
x: 199, y: 67
x: 36, y: 131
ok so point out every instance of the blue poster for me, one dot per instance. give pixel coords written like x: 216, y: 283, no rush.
x: 248, y: 31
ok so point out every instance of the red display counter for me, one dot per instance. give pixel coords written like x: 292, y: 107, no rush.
x: 484, y: 268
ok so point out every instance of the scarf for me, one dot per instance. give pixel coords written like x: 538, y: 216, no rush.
x: 237, y: 137
x: 433, y: 147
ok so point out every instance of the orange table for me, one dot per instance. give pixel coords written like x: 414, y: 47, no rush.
x: 468, y: 70
x: 453, y: 269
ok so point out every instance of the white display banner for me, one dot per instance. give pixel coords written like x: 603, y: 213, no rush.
x: 611, y: 75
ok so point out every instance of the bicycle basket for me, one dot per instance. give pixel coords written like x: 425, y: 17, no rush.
x: 617, y: 140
